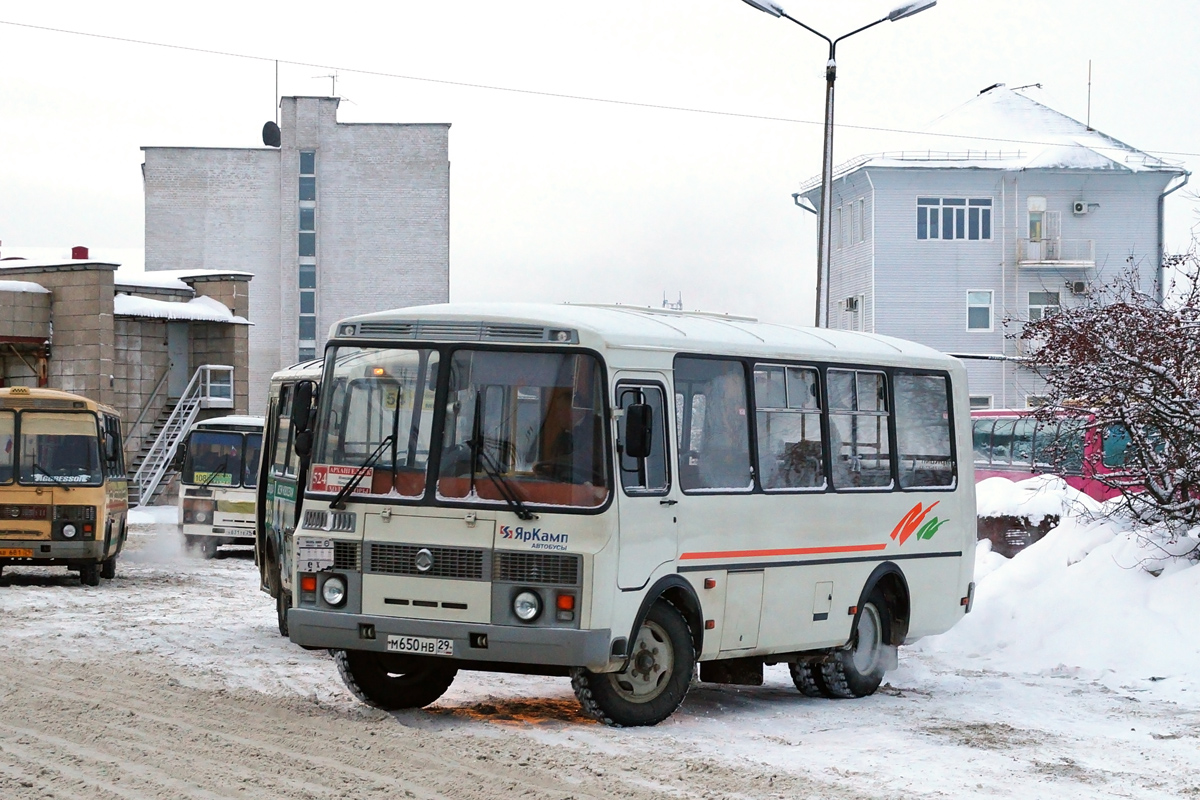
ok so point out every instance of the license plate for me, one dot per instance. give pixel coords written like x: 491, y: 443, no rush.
x: 313, y: 554
x: 420, y: 645
x: 15, y: 552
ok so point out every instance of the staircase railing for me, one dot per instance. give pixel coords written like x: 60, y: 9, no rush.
x: 133, y: 435
x: 210, y: 387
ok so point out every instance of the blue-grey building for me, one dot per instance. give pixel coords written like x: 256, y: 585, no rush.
x: 943, y: 247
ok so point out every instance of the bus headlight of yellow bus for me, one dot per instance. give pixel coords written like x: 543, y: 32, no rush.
x: 74, y: 522
x: 198, y: 512
x: 527, y: 606
x: 333, y: 591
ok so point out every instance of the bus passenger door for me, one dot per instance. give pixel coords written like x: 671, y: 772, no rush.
x: 645, y: 503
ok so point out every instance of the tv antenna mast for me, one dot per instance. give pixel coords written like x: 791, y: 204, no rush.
x: 677, y: 305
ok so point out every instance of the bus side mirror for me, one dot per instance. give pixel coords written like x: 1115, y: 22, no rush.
x: 302, y: 405
x: 180, y: 455
x: 303, y: 443
x: 638, y: 423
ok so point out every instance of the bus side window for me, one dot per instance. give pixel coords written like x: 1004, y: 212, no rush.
x: 115, y: 467
x: 923, y: 430
x: 648, y: 475
x: 283, y: 431
x: 717, y: 454
x: 788, y: 411
x: 859, y: 429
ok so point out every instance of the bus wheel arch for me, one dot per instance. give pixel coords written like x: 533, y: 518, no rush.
x: 679, y: 593
x: 889, y: 582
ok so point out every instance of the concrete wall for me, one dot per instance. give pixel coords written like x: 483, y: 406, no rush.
x: 141, y: 361
x: 219, y: 343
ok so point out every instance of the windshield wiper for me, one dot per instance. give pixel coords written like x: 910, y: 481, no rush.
x: 212, y: 476
x: 481, y: 458
x: 357, y: 477
x: 39, y: 468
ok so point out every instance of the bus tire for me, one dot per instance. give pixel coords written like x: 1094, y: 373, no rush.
x: 283, y: 601
x: 391, y: 681
x: 809, y: 678
x: 89, y: 574
x: 857, y: 670
x: 108, y: 568
x: 655, y: 681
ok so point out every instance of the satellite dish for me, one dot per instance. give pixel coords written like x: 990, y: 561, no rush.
x: 271, y: 134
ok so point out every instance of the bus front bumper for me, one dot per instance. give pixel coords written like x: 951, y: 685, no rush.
x: 49, y: 552
x: 498, y: 644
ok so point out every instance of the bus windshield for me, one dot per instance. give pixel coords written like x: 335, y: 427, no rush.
x: 59, y: 448
x: 214, y: 458
x: 530, y: 425
x: 376, y: 415
x: 8, y: 429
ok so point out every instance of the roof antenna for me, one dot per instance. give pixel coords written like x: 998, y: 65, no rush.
x: 1089, y: 114
x: 1028, y: 86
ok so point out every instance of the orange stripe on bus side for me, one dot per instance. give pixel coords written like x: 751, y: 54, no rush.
x: 796, y: 551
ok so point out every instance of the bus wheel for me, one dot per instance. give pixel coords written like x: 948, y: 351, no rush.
x: 89, y: 574
x: 858, y: 670
x: 809, y: 679
x: 391, y: 681
x: 108, y: 568
x: 283, y: 601
x: 207, y: 546
x: 654, y: 683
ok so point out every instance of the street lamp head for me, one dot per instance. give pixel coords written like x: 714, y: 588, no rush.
x: 908, y: 9
x: 774, y: 9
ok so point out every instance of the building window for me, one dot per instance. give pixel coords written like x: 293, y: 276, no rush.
x: 308, y: 162
x: 308, y: 187
x: 855, y: 222
x: 308, y: 244
x: 307, y: 353
x: 308, y: 219
x: 954, y: 218
x: 862, y: 215
x: 308, y: 302
x: 837, y: 229
x: 308, y: 276
x: 979, y: 311
x: 308, y: 328
x: 981, y: 402
x: 1042, y: 305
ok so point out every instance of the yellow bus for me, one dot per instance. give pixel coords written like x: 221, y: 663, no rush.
x: 64, y: 495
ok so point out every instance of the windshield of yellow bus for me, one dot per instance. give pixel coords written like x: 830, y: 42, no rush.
x: 8, y: 445
x: 58, y: 448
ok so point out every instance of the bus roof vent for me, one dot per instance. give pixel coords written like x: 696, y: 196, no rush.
x: 387, y: 330
x: 514, y: 333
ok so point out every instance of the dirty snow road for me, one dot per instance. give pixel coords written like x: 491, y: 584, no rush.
x: 171, y: 682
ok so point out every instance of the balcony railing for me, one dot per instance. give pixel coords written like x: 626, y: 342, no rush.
x: 1056, y: 252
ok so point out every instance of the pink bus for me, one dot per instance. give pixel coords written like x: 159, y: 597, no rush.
x: 1012, y: 444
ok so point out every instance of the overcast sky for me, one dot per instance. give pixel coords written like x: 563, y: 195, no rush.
x: 570, y: 200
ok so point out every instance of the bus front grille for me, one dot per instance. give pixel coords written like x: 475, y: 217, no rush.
x: 346, y: 556
x: 446, y: 562
x: 513, y: 567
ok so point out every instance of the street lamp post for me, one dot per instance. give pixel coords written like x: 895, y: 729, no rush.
x: 824, y: 234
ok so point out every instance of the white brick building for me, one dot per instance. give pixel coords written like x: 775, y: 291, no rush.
x: 341, y: 219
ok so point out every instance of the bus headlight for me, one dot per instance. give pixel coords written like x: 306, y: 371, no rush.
x: 527, y: 606
x: 334, y: 591
x: 198, y: 511
x: 69, y: 531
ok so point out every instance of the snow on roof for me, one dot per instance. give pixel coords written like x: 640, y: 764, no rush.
x: 155, y: 280
x: 199, y: 309
x: 23, y: 286
x: 1011, y: 129
x: 232, y: 420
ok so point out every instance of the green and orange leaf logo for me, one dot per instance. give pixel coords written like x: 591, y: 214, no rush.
x: 910, y: 523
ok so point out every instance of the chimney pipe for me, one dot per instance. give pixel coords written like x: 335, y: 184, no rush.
x: 79, y: 253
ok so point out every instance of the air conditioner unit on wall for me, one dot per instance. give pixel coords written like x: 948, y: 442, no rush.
x: 850, y: 304
x: 1078, y: 287
x: 1079, y: 208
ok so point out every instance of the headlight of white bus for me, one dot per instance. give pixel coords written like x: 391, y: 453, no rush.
x: 334, y: 591
x: 527, y: 606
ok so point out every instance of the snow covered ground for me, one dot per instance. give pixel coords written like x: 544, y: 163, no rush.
x: 1077, y: 675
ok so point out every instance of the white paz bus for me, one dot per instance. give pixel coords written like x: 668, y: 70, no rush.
x: 616, y: 494
x: 218, y: 477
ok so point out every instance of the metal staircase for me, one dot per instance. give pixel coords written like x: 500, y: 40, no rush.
x: 210, y: 387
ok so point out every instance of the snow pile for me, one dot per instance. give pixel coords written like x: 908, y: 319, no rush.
x: 199, y: 309
x: 1095, y: 597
